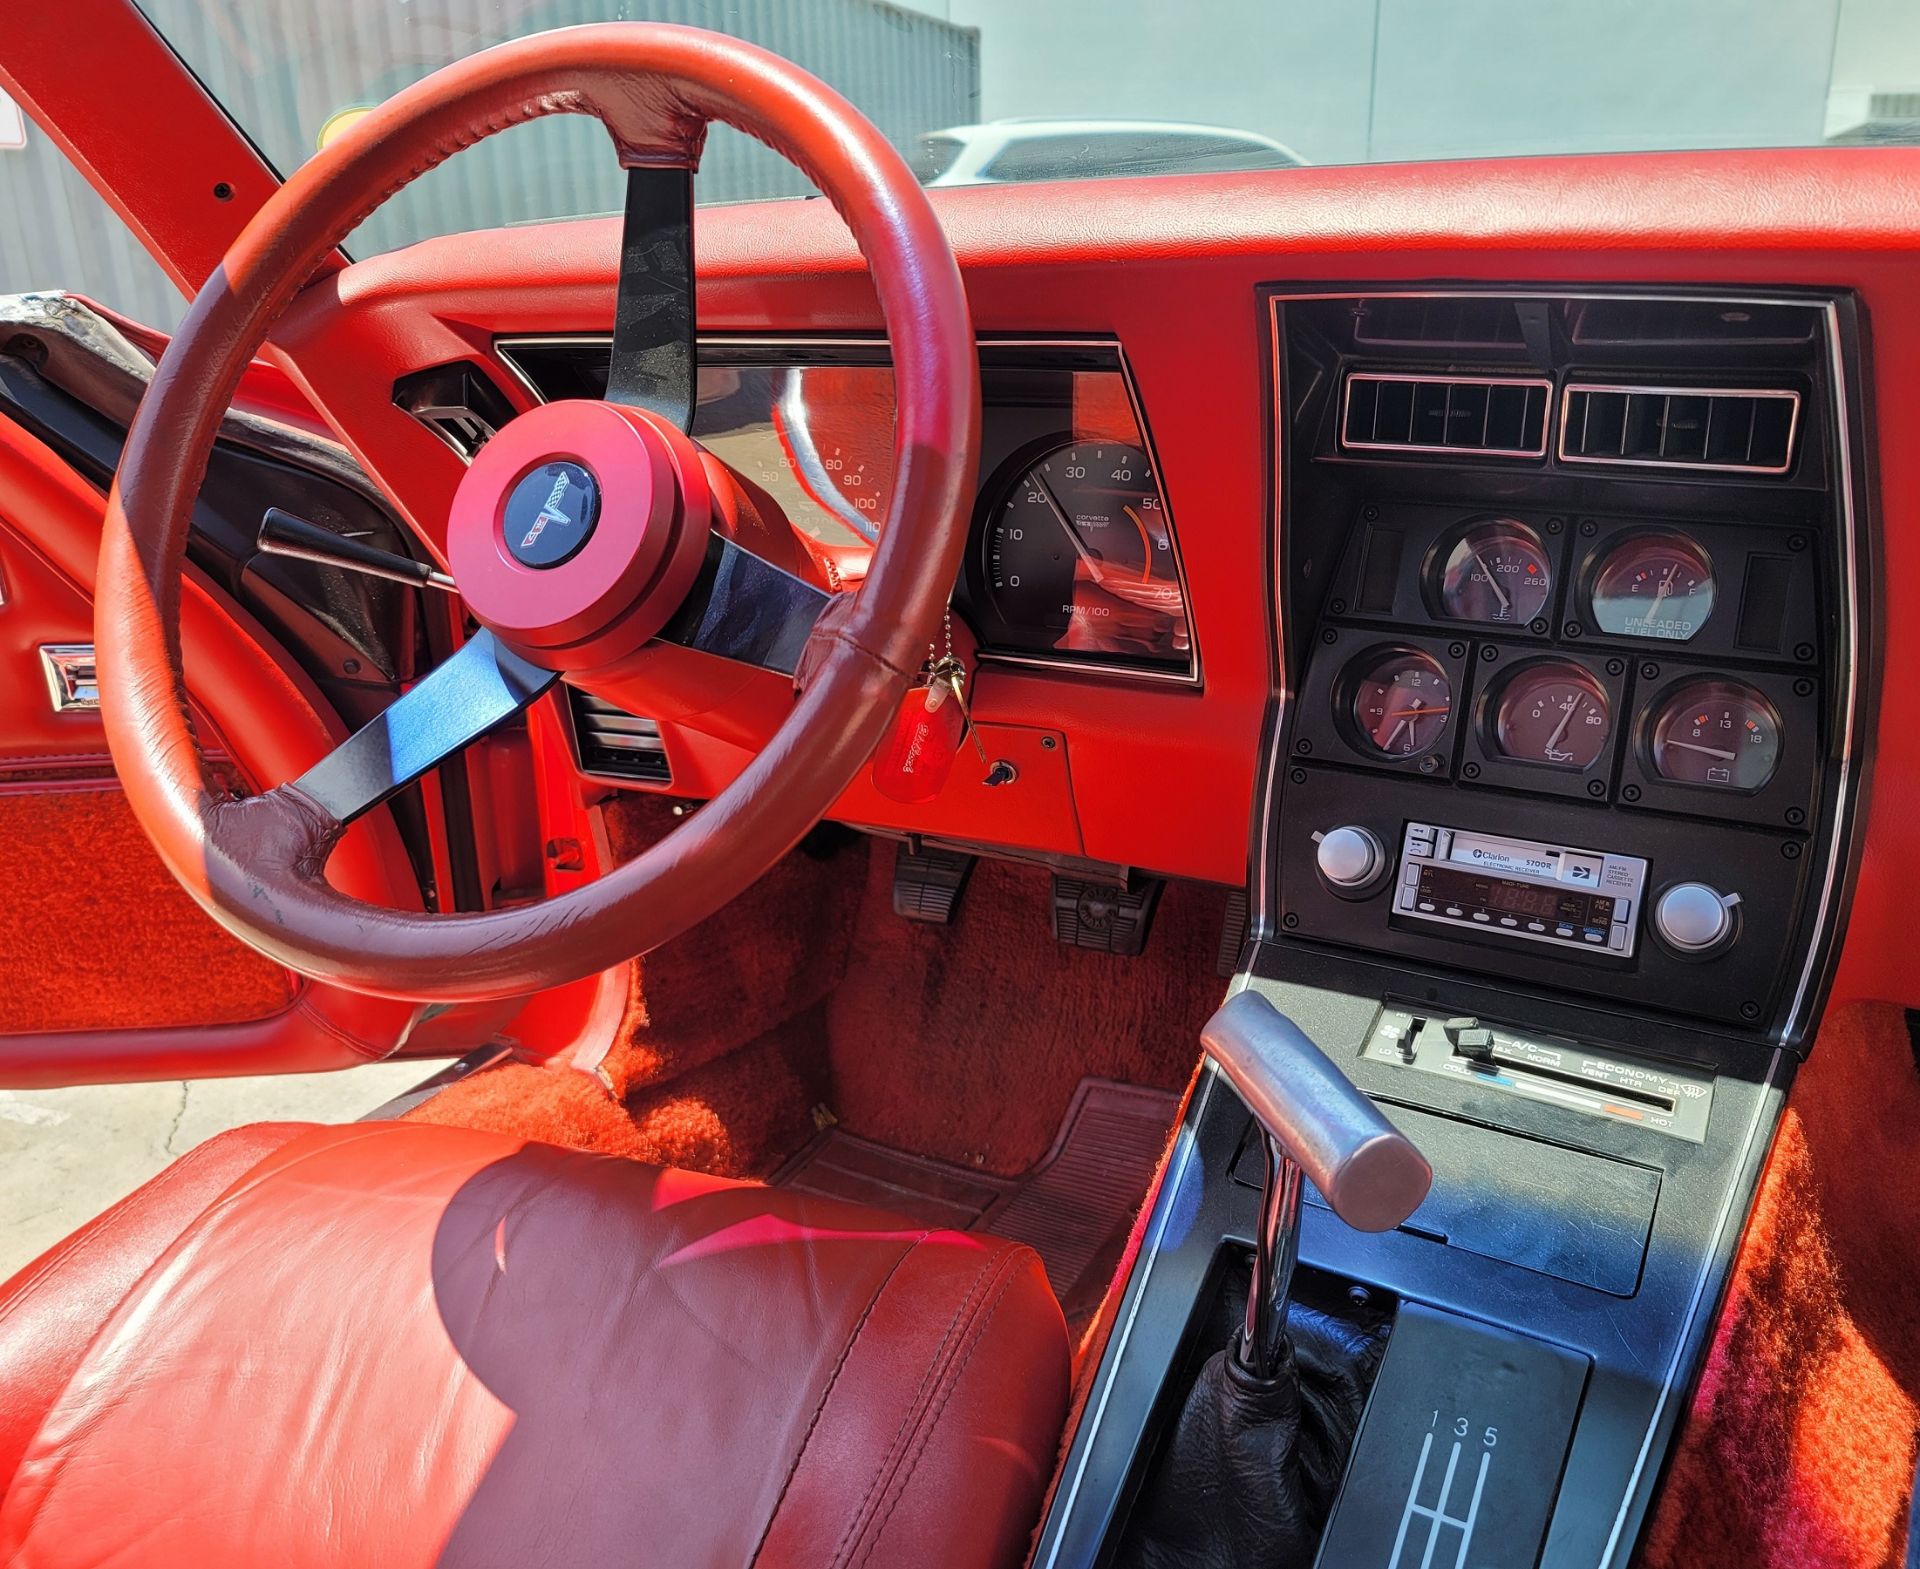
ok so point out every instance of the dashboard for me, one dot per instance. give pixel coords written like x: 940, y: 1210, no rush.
x: 1174, y: 777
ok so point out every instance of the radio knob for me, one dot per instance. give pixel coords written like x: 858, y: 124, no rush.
x: 1350, y: 859
x: 1694, y: 919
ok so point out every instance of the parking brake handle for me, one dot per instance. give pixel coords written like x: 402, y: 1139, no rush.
x: 1319, y: 1128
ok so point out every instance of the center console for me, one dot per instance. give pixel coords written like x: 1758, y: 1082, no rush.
x: 1571, y: 603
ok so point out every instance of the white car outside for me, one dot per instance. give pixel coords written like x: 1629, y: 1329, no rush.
x: 1008, y: 151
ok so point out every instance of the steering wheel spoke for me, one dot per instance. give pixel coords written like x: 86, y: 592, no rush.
x: 653, y: 322
x: 743, y: 607
x: 483, y: 685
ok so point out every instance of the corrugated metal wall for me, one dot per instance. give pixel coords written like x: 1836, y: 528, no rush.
x: 283, y: 67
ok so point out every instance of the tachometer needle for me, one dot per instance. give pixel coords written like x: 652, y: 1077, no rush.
x: 1093, y: 562
x: 1149, y: 594
x: 1711, y: 751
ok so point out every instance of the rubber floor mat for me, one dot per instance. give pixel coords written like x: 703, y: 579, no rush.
x: 1074, y: 1207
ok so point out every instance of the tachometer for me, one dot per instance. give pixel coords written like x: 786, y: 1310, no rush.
x: 1497, y: 572
x: 1721, y: 734
x: 1654, y: 585
x: 1554, y: 712
x: 1401, y: 699
x: 1077, y: 556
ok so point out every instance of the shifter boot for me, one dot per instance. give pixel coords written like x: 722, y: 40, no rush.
x: 1253, y: 1465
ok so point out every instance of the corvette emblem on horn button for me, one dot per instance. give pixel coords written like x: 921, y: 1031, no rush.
x: 551, y: 513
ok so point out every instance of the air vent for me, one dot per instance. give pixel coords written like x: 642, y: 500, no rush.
x: 1739, y: 429
x: 1687, y: 324
x: 1424, y: 321
x: 615, y: 744
x: 457, y: 402
x: 1492, y: 416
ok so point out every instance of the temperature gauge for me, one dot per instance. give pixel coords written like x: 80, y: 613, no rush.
x: 1720, y: 734
x: 1497, y: 572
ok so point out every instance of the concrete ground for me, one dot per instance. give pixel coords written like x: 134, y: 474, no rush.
x: 67, y: 1154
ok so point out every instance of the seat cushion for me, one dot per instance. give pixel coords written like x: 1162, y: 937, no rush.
x: 399, y: 1344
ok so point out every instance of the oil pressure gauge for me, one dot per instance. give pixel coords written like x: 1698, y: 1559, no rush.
x: 1552, y: 712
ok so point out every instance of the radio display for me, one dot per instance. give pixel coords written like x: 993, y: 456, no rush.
x: 1523, y: 898
x: 1509, y: 896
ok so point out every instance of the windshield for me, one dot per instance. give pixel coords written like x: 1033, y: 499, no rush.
x: 978, y: 91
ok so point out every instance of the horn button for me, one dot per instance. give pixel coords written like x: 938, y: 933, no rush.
x: 578, y: 530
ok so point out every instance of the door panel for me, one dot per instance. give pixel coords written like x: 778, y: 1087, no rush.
x: 97, y: 936
x: 107, y: 970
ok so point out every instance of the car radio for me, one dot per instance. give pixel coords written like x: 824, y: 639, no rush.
x: 1546, y: 893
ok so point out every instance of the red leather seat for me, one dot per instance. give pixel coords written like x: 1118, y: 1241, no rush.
x: 399, y: 1345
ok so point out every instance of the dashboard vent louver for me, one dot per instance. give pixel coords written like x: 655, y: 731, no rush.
x: 1489, y: 416
x: 1408, y: 321
x: 1743, y: 430
x: 459, y: 403
x: 1636, y: 323
x: 615, y: 744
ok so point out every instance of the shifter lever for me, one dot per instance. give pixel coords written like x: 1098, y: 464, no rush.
x: 1318, y: 1128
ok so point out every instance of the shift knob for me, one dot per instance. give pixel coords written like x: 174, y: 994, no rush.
x: 1350, y: 859
x: 1366, y: 1169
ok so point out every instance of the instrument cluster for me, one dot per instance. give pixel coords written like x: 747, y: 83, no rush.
x: 1073, y: 562
x: 1650, y: 663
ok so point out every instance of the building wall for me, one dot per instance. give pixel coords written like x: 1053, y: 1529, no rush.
x: 1343, y: 81
x: 283, y: 67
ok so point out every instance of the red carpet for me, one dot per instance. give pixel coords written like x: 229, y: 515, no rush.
x: 1798, y: 1452
x: 965, y: 1043
x: 101, y: 937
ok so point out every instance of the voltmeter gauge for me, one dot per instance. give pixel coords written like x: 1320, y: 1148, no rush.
x: 1719, y: 734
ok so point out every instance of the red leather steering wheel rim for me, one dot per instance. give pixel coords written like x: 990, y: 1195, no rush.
x: 256, y: 864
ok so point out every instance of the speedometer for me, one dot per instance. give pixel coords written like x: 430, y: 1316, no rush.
x: 1077, y: 557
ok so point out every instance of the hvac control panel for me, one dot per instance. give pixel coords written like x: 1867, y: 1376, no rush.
x: 1565, y: 1073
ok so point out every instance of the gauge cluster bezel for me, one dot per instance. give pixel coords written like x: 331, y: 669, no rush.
x: 1484, y: 763
x: 1398, y: 603
x: 1786, y: 801
x: 1324, y: 727
x: 1734, y: 552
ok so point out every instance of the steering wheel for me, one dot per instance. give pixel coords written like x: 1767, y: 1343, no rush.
x: 579, y: 536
